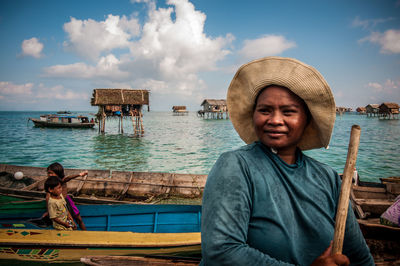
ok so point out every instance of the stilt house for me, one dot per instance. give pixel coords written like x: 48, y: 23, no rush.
x: 372, y: 109
x: 179, y: 110
x: 120, y: 103
x: 214, y: 109
x: 361, y: 110
x: 341, y: 110
x: 389, y: 110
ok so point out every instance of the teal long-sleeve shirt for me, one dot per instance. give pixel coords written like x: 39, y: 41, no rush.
x: 259, y: 210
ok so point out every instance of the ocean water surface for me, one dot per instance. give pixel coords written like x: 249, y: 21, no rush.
x: 180, y: 144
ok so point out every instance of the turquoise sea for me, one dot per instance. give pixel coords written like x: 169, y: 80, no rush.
x: 181, y: 144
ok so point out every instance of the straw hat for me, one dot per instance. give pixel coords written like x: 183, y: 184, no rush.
x: 304, y: 80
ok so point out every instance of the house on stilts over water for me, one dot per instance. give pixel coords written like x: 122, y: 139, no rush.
x: 120, y: 103
x: 389, y: 111
x: 372, y: 109
x: 213, y: 109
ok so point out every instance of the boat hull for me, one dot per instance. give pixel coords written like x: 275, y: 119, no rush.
x: 70, y: 246
x: 143, y: 218
x: 40, y: 123
x: 105, y: 186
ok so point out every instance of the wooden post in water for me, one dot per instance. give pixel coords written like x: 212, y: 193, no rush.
x: 103, y: 124
x: 122, y: 125
x: 141, y: 123
x: 342, y: 209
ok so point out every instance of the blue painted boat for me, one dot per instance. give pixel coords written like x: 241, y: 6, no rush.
x: 141, y: 218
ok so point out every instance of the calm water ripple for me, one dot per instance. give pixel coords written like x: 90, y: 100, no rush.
x: 180, y: 144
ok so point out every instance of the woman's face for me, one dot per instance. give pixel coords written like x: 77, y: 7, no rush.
x: 279, y: 118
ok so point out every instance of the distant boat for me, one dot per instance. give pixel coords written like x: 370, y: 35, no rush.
x: 63, y: 121
x: 64, y: 112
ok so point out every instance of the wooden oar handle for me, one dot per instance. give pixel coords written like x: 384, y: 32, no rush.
x: 341, y: 213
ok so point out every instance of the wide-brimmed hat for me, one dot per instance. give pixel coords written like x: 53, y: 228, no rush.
x: 304, y: 80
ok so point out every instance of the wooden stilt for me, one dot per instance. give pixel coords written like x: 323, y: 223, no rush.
x: 122, y: 125
x: 141, y: 122
x: 103, y: 124
x: 133, y: 122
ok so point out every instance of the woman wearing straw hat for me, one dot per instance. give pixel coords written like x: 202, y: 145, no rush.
x: 267, y: 203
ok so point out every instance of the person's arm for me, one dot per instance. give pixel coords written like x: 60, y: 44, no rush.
x: 70, y: 177
x: 59, y: 221
x: 47, y: 205
x: 74, y: 226
x: 226, y: 212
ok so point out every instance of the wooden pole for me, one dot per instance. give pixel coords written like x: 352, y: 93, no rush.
x: 103, y: 116
x: 341, y: 213
x: 122, y: 124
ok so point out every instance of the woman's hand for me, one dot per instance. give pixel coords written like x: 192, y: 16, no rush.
x: 328, y: 259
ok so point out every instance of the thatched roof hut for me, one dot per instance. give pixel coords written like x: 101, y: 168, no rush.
x: 361, y: 110
x: 212, y: 105
x: 178, y: 108
x: 119, y: 97
x: 372, y: 108
x: 389, y: 108
x: 121, y: 103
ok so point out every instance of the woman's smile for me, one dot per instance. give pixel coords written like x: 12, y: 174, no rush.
x: 279, y: 119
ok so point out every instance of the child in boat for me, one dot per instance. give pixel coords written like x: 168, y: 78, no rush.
x: 57, y: 207
x: 56, y: 169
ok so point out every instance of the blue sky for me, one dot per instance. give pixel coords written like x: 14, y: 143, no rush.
x: 54, y: 53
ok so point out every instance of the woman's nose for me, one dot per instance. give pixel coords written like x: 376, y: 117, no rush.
x: 276, y: 118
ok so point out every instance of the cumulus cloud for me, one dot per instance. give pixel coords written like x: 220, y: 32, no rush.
x: 30, y: 92
x: 165, y: 56
x: 388, y: 87
x: 368, y: 23
x: 9, y: 88
x: 107, y: 67
x: 389, y: 41
x: 265, y: 46
x: 58, y: 92
x: 32, y: 47
x: 89, y: 38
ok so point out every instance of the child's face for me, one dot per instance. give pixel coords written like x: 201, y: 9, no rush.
x: 51, y: 173
x: 56, y: 191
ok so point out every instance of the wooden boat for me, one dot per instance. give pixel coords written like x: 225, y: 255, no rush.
x: 69, y: 246
x: 144, y: 261
x: 142, y: 218
x: 57, y: 121
x: 369, y: 201
x: 106, y: 186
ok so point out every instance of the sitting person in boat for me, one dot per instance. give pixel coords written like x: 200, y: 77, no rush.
x: 391, y: 216
x: 56, y: 169
x: 56, y: 205
x: 268, y: 203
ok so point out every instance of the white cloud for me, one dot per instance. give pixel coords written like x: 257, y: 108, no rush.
x: 9, y: 88
x: 58, y: 92
x: 265, y: 46
x: 389, y: 41
x: 30, y: 92
x: 389, y: 87
x: 165, y: 57
x: 369, y: 23
x: 32, y: 47
x: 90, y: 38
x: 107, y: 67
